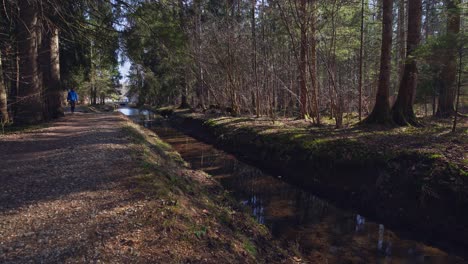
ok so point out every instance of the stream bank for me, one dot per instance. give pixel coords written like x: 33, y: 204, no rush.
x: 198, y: 221
x: 408, y: 190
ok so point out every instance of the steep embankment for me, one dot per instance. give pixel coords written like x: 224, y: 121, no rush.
x: 399, y: 178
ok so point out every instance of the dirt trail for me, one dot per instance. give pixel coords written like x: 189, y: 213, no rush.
x: 60, y: 189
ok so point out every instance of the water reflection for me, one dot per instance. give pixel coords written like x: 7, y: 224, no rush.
x: 323, y: 232
x: 135, y: 112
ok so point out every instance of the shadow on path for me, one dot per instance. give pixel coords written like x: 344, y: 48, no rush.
x: 78, y: 153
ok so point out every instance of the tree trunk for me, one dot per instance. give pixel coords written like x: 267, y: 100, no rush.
x: 425, y: 105
x: 44, y: 66
x: 29, y: 103
x: 402, y: 112
x: 254, y: 60
x: 184, y: 85
x: 361, y: 58
x: 198, y: 29
x: 93, y: 93
x: 448, y: 75
x: 302, y: 62
x: 16, y: 81
x: 427, y: 20
x: 4, y: 117
x: 54, y: 85
x: 264, y: 62
x: 12, y: 85
x: 331, y: 66
x: 460, y: 72
x: 381, y: 112
x: 183, y: 100
x: 401, y: 38
x: 313, y: 64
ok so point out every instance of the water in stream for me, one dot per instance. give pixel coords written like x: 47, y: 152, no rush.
x: 324, y: 233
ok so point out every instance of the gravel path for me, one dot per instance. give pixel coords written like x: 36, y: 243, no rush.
x: 62, y: 193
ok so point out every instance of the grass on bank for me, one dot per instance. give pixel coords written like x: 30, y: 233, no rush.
x: 433, y: 140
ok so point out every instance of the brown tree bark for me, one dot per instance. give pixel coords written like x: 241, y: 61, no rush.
x: 254, y: 60
x: 313, y: 64
x: 4, y: 117
x: 93, y: 92
x: 449, y: 71
x: 381, y: 112
x: 361, y: 61
x: 54, y: 91
x: 335, y: 107
x: 43, y: 69
x: 29, y: 99
x: 199, y: 86
x: 457, y: 104
x: 402, y: 111
x: 401, y: 38
x: 183, y: 82
x: 302, y: 61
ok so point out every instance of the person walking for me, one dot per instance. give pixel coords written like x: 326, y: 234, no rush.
x: 72, y: 98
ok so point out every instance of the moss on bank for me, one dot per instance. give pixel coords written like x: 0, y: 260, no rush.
x: 353, y: 144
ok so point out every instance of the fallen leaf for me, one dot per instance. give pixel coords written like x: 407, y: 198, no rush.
x: 297, y: 259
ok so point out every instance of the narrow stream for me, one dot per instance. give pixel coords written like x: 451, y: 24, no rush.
x: 324, y: 233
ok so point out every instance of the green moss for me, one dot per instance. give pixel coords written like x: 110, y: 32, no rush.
x: 250, y: 247
x: 165, y: 108
x: 151, y: 186
x: 463, y: 173
x: 210, y: 123
x: 153, y: 142
x: 136, y: 136
x: 436, y: 156
x: 200, y: 231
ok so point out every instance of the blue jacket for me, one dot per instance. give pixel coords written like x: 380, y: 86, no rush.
x: 72, y: 96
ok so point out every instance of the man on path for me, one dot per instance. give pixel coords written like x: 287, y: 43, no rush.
x: 72, y: 98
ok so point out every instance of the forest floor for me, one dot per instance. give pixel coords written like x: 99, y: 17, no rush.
x: 96, y: 188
